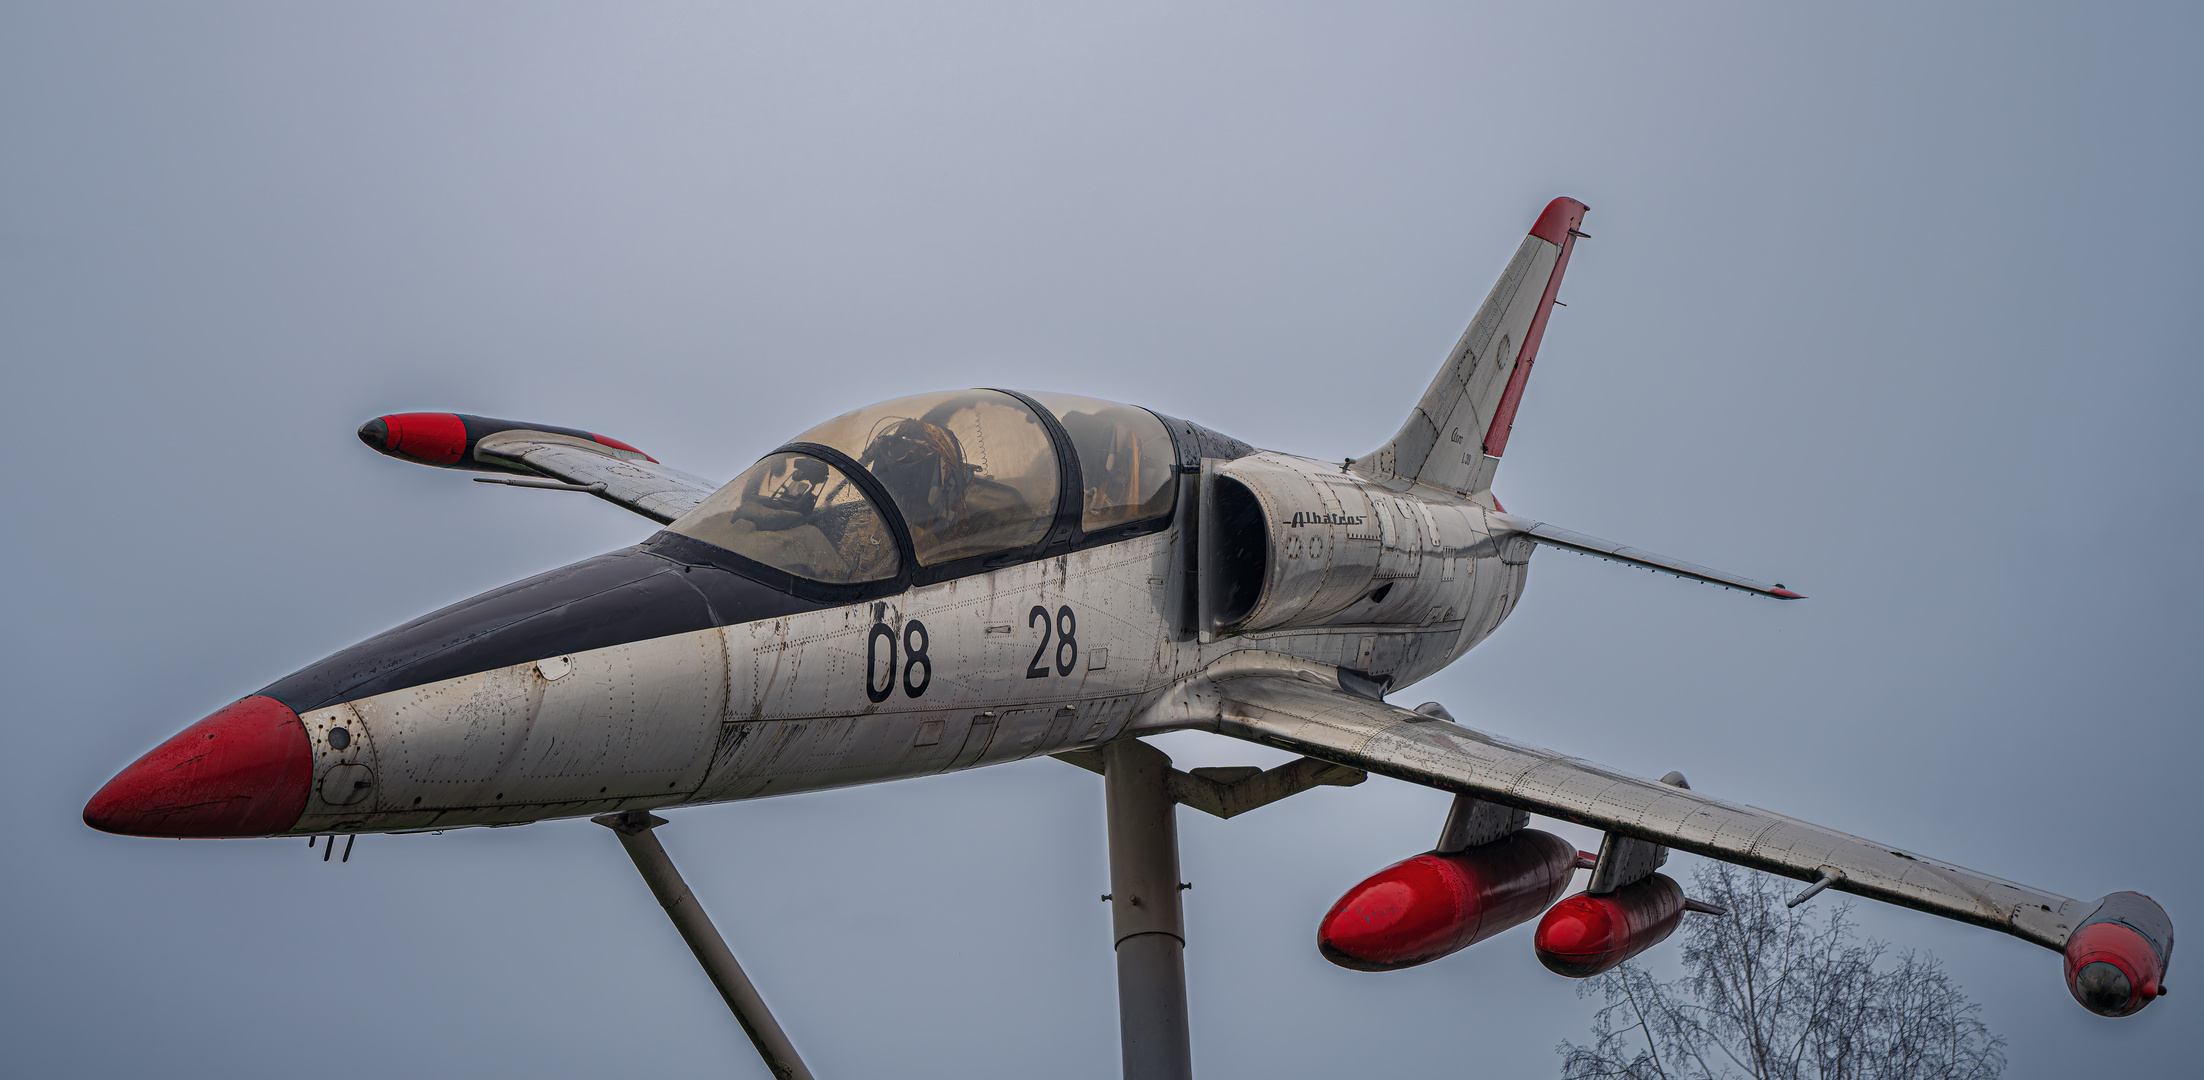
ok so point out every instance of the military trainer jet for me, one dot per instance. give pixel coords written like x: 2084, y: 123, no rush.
x: 963, y: 578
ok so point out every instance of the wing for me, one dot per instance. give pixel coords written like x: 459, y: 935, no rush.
x: 639, y: 484
x: 574, y: 459
x: 1300, y: 706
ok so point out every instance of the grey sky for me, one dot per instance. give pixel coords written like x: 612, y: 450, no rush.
x: 1898, y: 307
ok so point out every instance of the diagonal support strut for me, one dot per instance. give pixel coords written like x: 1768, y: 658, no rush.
x: 634, y: 830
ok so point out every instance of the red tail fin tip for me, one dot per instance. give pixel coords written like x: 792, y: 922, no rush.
x: 1557, y: 226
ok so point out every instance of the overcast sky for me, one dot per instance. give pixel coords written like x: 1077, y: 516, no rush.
x: 1899, y: 307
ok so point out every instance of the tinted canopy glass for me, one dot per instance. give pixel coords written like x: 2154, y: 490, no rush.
x: 1125, y: 459
x: 796, y: 513
x: 972, y: 471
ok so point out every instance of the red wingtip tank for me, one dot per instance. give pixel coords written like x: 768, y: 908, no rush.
x: 425, y: 437
x: 1585, y: 935
x: 2116, y: 959
x: 1420, y: 909
x: 447, y: 440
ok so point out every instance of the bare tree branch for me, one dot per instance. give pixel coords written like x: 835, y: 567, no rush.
x: 1775, y: 993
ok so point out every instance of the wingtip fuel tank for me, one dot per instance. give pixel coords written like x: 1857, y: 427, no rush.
x: 2116, y: 960
x: 447, y: 440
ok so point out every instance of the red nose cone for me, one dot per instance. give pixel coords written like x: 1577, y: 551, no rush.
x: 245, y: 771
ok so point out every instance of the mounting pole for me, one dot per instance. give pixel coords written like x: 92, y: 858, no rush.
x: 634, y: 830
x: 1145, y: 912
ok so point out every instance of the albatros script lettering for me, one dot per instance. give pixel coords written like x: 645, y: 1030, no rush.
x: 1300, y: 518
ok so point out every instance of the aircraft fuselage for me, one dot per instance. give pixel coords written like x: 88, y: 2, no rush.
x: 1016, y: 662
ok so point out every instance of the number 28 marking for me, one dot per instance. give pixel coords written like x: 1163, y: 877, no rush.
x: 1065, y: 627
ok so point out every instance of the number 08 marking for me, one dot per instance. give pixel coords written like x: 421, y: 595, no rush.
x: 1064, y: 630
x: 879, y: 681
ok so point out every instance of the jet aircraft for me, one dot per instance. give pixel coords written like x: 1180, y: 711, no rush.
x: 965, y: 578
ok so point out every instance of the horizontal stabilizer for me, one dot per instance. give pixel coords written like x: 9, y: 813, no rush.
x: 1607, y: 549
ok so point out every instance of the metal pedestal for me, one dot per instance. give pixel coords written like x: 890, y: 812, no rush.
x: 1143, y: 791
x: 1145, y: 912
x: 634, y: 829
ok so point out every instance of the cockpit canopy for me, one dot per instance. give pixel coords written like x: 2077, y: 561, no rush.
x: 964, y: 473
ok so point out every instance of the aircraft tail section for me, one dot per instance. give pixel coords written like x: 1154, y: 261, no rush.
x: 1459, y: 430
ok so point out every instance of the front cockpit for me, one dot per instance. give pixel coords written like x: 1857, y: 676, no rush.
x: 939, y: 485
x: 796, y: 513
x: 971, y: 472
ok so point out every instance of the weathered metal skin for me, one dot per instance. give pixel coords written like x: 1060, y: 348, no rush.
x: 779, y: 704
x: 1345, y: 555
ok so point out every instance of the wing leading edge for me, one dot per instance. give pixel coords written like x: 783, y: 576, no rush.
x: 1299, y: 706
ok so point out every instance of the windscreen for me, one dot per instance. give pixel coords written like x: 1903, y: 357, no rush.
x: 796, y: 513
x: 972, y: 471
x: 1125, y: 459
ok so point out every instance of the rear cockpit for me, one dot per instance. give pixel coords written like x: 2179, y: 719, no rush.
x: 940, y: 485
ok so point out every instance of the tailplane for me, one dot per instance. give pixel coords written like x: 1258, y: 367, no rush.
x: 1455, y: 437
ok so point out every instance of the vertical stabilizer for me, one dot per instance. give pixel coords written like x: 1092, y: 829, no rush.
x: 1455, y: 437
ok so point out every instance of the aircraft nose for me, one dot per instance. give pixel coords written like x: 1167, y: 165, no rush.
x: 244, y: 771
